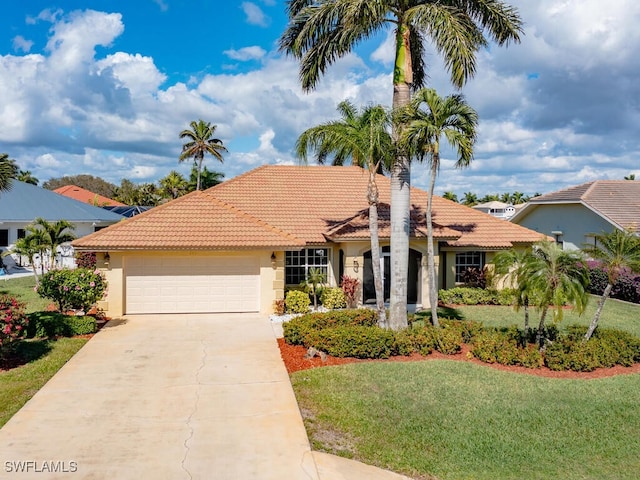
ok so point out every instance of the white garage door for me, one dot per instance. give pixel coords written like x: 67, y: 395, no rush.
x: 192, y: 284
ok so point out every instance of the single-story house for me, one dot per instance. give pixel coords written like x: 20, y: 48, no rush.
x: 25, y: 202
x: 238, y: 246
x: 87, y: 196
x: 573, y: 216
x: 498, y: 209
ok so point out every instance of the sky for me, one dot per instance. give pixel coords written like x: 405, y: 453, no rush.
x: 104, y: 87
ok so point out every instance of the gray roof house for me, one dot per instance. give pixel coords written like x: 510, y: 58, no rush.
x: 24, y: 202
x: 574, y: 215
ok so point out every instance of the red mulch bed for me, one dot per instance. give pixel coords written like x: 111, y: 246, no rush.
x: 293, y: 357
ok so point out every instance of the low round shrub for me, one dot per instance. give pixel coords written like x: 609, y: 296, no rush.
x: 352, y: 341
x: 297, y: 328
x: 56, y: 324
x: 297, y: 301
x: 506, y: 347
x: 13, y: 321
x: 333, y: 297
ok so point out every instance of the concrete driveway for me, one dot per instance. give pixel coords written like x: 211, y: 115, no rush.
x: 170, y: 397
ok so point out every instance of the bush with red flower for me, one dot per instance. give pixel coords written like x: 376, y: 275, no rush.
x: 13, y: 321
x: 77, y: 289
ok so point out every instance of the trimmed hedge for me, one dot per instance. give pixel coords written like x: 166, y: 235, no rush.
x: 606, y: 348
x: 506, y: 347
x: 356, y: 341
x: 296, y: 328
x: 55, y: 324
x: 477, y: 296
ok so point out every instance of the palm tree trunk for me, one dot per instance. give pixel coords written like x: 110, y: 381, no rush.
x: 199, y: 170
x: 400, y: 189
x: 431, y: 264
x: 375, y: 263
x: 541, y: 325
x: 596, y: 316
x: 526, y: 314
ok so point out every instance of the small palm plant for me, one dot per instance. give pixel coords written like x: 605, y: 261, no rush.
x: 616, y: 251
x: 316, y: 277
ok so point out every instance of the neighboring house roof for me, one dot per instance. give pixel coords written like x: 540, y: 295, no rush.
x: 492, y: 204
x: 294, y: 206
x: 617, y: 201
x: 25, y: 202
x: 86, y: 196
x: 127, y: 210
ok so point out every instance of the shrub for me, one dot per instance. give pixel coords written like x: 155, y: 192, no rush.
x: 86, y: 260
x: 626, y: 287
x: 474, y: 277
x: 297, y: 301
x: 333, y: 297
x: 606, y: 348
x: 73, y: 289
x: 468, y: 296
x: 56, y: 324
x: 13, y: 321
x: 349, y: 286
x: 297, y: 328
x: 279, y: 306
x: 356, y: 341
x: 506, y: 347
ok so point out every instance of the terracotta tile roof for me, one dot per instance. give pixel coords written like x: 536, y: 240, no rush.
x: 618, y: 201
x: 296, y: 205
x: 197, y: 221
x: 86, y: 196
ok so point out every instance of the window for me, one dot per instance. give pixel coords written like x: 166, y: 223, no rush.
x: 297, y: 264
x: 21, y: 233
x: 4, y: 238
x: 466, y: 260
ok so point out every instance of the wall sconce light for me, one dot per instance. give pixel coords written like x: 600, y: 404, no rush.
x: 273, y: 259
x: 107, y: 258
x: 356, y: 265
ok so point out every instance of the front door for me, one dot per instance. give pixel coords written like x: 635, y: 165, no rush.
x: 368, y: 288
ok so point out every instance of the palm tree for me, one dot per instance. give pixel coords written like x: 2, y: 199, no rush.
x: 470, y: 199
x: 617, y: 251
x: 322, y: 31
x: 208, y: 178
x: 200, y: 141
x: 554, y: 276
x: 450, y: 196
x: 8, y: 171
x: 511, y: 267
x: 427, y: 120
x: 517, y: 198
x: 490, y: 197
x: 27, y: 177
x: 631, y: 176
x: 315, y: 277
x: 55, y: 234
x: 173, y: 185
x: 29, y: 246
x: 364, y: 139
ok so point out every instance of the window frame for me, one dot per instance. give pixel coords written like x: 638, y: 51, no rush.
x: 460, y: 268
x: 302, y: 261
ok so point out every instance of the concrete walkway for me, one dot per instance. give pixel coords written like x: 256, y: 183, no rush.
x: 171, y: 397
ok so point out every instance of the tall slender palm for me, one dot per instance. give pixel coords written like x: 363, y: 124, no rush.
x: 201, y: 140
x: 55, y: 234
x: 8, y: 171
x: 617, y: 251
x: 322, y: 31
x: 554, y: 276
x: 364, y: 139
x: 427, y: 120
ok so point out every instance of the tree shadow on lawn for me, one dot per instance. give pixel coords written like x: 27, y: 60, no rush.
x: 23, y: 352
x: 443, y: 312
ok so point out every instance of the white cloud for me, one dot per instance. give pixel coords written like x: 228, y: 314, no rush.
x: 244, y: 54
x: 21, y: 44
x: 254, y: 14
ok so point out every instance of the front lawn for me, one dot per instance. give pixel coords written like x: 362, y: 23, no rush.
x: 38, y: 361
x: 457, y: 420
x: 23, y: 289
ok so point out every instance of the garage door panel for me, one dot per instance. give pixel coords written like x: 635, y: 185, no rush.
x: 191, y: 284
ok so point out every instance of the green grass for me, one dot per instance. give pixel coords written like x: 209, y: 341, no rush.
x: 22, y: 288
x: 457, y: 420
x: 42, y: 359
x: 616, y: 314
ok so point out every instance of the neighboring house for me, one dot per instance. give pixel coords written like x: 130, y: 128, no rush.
x: 573, y: 216
x: 127, y: 210
x: 238, y: 246
x: 25, y: 202
x: 498, y: 209
x: 86, y: 196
